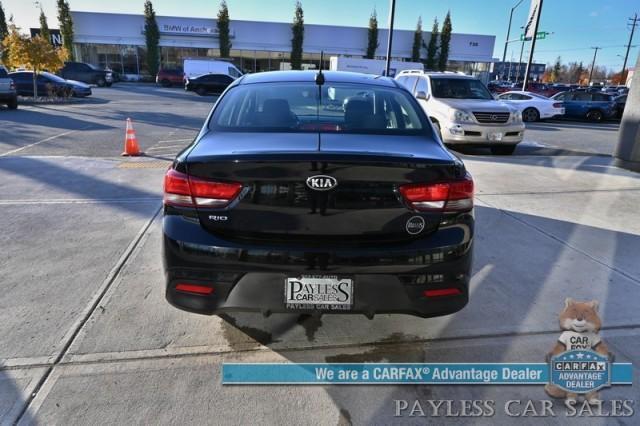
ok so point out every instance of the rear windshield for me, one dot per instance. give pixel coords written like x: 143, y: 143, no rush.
x: 307, y: 107
x: 459, y: 88
x: 3, y: 73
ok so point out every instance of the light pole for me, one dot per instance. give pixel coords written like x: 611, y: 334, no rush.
x: 634, y: 20
x: 506, y: 42
x: 533, y: 45
x: 391, y: 16
x: 593, y: 63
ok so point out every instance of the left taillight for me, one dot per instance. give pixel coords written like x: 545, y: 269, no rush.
x: 183, y: 190
x: 557, y: 104
x: 451, y: 196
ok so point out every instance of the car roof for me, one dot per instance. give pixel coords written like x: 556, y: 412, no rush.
x: 310, y: 76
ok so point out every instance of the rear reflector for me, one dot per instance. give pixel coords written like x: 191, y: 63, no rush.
x: 442, y: 292
x: 194, y: 289
x: 187, y: 191
x: 454, y: 195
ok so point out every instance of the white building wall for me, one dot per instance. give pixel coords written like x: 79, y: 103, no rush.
x: 108, y: 28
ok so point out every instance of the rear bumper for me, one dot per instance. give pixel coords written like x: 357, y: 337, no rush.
x: 389, y: 279
x: 7, y: 96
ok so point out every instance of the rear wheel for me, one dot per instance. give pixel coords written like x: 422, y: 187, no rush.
x: 530, y: 114
x: 503, y: 150
x: 201, y: 91
x: 101, y: 82
x: 165, y: 83
x: 13, y: 103
x: 595, y: 115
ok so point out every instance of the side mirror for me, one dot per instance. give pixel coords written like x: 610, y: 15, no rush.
x: 422, y: 95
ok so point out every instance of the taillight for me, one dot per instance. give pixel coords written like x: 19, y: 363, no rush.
x: 442, y: 292
x: 12, y: 85
x: 557, y: 104
x: 194, y: 289
x: 187, y: 191
x: 454, y: 195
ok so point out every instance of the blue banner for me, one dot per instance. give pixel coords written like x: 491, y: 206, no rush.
x: 400, y: 373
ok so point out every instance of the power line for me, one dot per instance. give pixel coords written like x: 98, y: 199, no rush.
x: 584, y: 48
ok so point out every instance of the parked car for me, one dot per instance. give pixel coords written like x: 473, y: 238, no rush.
x: 168, y: 77
x: 286, y: 204
x: 8, y: 95
x: 197, y: 67
x: 594, y: 106
x: 621, y: 102
x: 533, y: 107
x: 209, y: 83
x: 79, y: 89
x: 541, y: 89
x: 47, y: 84
x: 464, y: 112
x: 560, y: 87
x: 495, y: 87
x: 86, y: 73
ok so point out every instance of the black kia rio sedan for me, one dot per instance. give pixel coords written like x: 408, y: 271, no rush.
x: 317, y: 193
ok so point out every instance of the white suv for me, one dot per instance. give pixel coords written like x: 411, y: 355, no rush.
x: 463, y: 110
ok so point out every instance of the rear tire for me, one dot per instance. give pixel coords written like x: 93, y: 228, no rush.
x: 165, y: 83
x: 595, y: 115
x: 503, y: 150
x: 201, y: 91
x: 101, y: 82
x: 13, y: 103
x: 530, y: 115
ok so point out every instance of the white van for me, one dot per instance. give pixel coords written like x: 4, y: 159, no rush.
x: 370, y: 66
x: 197, y: 67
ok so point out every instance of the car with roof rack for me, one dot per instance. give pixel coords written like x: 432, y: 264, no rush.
x: 463, y: 110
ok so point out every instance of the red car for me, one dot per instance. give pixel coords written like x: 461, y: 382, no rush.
x: 168, y: 77
x: 542, y: 89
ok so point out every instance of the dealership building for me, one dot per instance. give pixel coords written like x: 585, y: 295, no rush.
x: 117, y: 41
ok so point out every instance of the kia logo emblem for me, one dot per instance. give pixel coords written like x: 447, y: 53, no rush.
x: 322, y: 182
x: 494, y: 117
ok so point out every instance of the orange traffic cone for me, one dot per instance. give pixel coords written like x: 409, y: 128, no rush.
x: 131, y: 147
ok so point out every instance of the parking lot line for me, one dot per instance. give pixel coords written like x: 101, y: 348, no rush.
x: 50, y: 138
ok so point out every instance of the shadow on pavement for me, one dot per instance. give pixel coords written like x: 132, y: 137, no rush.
x: 81, y: 184
x: 521, y: 284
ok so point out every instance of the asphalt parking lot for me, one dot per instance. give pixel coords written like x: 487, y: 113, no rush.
x: 87, y: 336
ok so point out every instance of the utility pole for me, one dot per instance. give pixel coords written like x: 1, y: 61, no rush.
x: 506, y: 41
x: 533, y: 46
x: 593, y: 63
x: 391, y: 16
x: 520, y: 61
x: 634, y: 22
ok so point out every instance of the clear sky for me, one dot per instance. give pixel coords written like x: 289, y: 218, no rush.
x: 577, y: 24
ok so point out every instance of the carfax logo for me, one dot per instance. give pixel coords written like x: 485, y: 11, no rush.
x: 579, y: 364
x: 580, y: 372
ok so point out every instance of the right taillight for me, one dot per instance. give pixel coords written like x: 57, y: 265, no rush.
x: 456, y: 195
x: 557, y: 104
x: 183, y: 190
